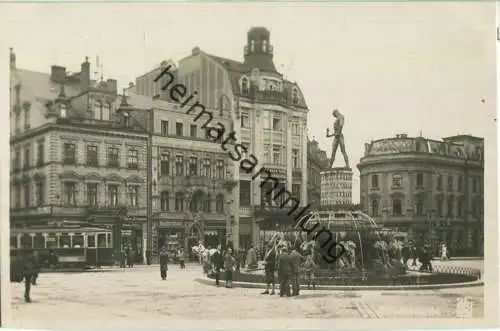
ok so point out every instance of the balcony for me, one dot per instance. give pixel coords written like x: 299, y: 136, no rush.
x: 246, y: 211
x: 90, y: 122
x: 109, y: 210
x: 272, y: 96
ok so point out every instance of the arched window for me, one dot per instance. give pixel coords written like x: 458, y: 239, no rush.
x: 196, y: 203
x: 164, y: 201
x: 397, y: 207
x: 179, y: 201
x: 207, y: 205
x: 244, y: 85
x: 219, y: 203
x: 126, y: 120
x: 295, y: 96
x: 98, y: 110
x: 374, y: 208
x: 64, y: 111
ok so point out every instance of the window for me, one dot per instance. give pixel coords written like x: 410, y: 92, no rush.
x: 475, y: 185
x: 244, y: 121
x: 179, y: 129
x: 193, y: 130
x: 18, y: 120
x: 126, y: 120
x: 450, y: 183
x: 375, y: 182
x: 219, y: 203
x: 179, y: 201
x: 295, y: 96
x: 165, y: 201
x: 179, y: 165
x: 106, y: 111
x: 420, y: 180
x: 113, y: 157
x: 397, y: 181
x: 133, y: 159
x: 295, y: 158
x: 27, y: 157
x: 69, y: 153
x: 460, y: 207
x: 267, y: 154
x: 92, y: 156
x: 207, y: 169
x: 277, y: 122
x: 133, y: 195
x: 165, y: 164
x: 276, y: 154
x: 439, y: 205
x: 17, y: 195
x: 40, y: 192
x: 27, y: 193
x: 450, y: 206
x: 266, y: 124
x: 98, y: 110
x: 295, y: 129
x: 375, y: 208
x: 245, y: 192
x: 113, y: 195
x: 164, y: 128
x: 41, y: 153
x: 397, y: 207
x: 63, y: 110
x: 439, y: 182
x: 244, y: 85
x: 193, y: 166
x: 69, y: 193
x: 219, y: 169
x: 207, y: 208
x: 460, y: 184
x: 17, y: 159
x: 92, y: 194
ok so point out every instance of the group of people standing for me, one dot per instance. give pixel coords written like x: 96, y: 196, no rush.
x: 224, y: 261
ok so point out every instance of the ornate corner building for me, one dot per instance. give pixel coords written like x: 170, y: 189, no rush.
x: 431, y: 189
x: 76, y: 160
x: 268, y: 114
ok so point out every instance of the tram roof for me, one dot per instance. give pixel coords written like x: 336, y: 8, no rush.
x: 58, y: 229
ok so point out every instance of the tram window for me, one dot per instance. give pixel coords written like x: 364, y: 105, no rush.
x: 78, y: 240
x: 13, y: 242
x: 39, y: 241
x: 52, y: 240
x: 65, y: 240
x: 91, y: 240
x: 26, y: 241
x: 109, y: 241
x: 101, y: 240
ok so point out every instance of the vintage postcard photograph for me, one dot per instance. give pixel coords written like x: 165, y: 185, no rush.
x: 249, y: 165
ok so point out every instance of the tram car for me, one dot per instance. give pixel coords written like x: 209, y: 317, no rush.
x: 59, y: 248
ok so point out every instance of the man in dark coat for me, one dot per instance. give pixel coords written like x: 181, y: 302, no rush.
x: 284, y: 271
x: 30, y: 269
x: 163, y: 262
x: 270, y: 268
x: 295, y: 259
x: 218, y: 263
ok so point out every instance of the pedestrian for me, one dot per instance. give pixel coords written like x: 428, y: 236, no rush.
x: 130, y: 257
x: 181, y: 256
x: 229, y: 264
x: 444, y: 252
x: 53, y: 260
x: 310, y: 268
x: 284, y: 272
x: 251, y: 259
x: 295, y: 260
x: 123, y: 257
x: 218, y: 263
x: 30, y: 268
x: 270, y: 269
x: 163, y: 262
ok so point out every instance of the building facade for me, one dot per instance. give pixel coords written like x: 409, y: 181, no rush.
x: 317, y: 161
x: 75, y: 160
x: 336, y: 187
x: 268, y: 114
x: 431, y: 189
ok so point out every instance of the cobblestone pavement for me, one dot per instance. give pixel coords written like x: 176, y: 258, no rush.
x: 138, y: 298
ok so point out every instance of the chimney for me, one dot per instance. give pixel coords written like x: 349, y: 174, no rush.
x: 113, y: 85
x: 85, y: 74
x: 12, y: 59
x: 58, y: 74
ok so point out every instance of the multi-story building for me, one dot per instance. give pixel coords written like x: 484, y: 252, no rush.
x: 317, y: 161
x: 189, y: 177
x: 74, y: 158
x: 336, y: 187
x: 268, y: 114
x: 430, y: 188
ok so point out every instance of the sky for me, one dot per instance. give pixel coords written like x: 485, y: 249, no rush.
x: 414, y: 68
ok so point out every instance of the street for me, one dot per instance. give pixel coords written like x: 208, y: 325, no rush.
x: 138, y: 298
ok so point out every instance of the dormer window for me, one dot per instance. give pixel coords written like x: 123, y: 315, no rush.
x: 264, y: 46
x: 244, y: 85
x: 252, y: 45
x: 63, y: 110
x: 126, y: 119
x: 295, y: 96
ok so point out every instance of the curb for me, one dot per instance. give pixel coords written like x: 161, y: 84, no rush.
x: 208, y: 281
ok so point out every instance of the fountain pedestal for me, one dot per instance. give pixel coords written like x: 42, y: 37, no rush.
x: 336, y: 186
